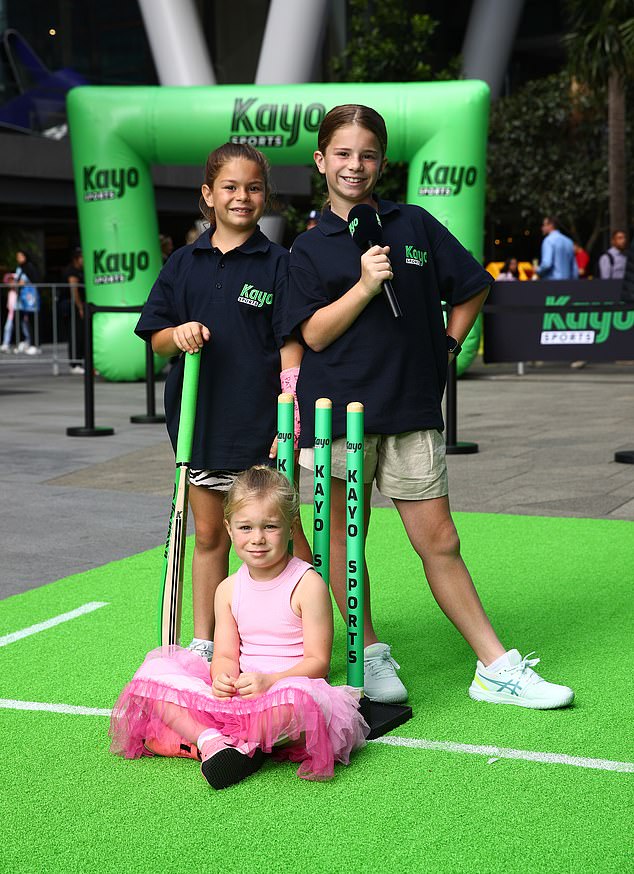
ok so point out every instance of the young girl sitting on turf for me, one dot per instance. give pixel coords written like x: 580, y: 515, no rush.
x: 355, y: 350
x: 267, y: 691
x: 225, y: 292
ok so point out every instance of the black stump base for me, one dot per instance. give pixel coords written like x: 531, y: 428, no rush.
x: 383, y: 717
x: 625, y: 456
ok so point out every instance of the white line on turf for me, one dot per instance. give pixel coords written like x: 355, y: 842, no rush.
x: 408, y: 742
x: 10, y: 704
x: 507, y: 753
x: 50, y: 623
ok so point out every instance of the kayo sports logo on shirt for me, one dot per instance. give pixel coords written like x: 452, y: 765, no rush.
x: 417, y: 257
x: 254, y: 297
x: 445, y: 180
x: 111, y: 267
x: 108, y: 184
x: 257, y: 124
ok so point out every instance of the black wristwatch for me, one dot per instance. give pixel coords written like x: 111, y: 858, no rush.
x: 453, y: 345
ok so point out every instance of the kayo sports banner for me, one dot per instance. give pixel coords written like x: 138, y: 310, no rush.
x: 118, y: 133
x: 557, y: 321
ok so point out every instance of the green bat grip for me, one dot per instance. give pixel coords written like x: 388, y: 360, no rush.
x: 189, y: 397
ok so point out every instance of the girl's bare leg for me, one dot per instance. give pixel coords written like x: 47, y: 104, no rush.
x: 433, y: 535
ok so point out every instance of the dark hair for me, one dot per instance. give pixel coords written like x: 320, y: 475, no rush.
x: 506, y: 267
x: 352, y: 113
x: 553, y: 220
x: 29, y: 267
x: 221, y: 156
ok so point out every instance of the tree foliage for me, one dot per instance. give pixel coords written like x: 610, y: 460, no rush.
x: 601, y: 39
x: 546, y: 154
x: 387, y: 42
x: 601, y: 52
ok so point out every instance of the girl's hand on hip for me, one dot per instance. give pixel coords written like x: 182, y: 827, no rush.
x: 250, y: 685
x: 375, y: 269
x: 191, y: 336
x: 224, y: 686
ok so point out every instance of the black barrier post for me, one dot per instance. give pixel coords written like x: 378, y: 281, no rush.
x: 454, y: 447
x: 151, y: 417
x: 88, y: 429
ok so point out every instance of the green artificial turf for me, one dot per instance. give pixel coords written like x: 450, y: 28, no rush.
x: 559, y: 586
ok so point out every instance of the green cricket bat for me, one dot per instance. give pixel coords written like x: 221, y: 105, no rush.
x: 171, y: 594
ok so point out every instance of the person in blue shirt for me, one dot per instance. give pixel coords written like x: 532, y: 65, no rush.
x: 558, y: 253
x: 356, y: 351
x: 225, y: 294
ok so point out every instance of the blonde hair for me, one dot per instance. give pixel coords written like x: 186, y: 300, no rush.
x: 260, y: 483
x: 221, y: 156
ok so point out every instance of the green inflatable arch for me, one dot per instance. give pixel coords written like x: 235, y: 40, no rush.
x: 117, y: 133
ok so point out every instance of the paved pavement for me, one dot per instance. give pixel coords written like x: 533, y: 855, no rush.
x: 546, y: 447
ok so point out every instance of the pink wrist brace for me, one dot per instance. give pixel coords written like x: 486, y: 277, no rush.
x: 288, y: 381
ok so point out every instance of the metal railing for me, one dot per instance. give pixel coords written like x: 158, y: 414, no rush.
x: 52, y: 334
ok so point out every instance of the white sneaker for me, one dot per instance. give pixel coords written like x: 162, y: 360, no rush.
x: 512, y: 681
x: 380, y: 681
x: 203, y: 648
x: 77, y: 369
x: 21, y: 347
x: 32, y: 350
x: 4, y: 348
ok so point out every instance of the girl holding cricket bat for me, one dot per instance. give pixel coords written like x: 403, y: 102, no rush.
x: 267, y: 692
x: 225, y: 294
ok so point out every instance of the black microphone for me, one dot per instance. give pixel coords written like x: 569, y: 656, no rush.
x: 365, y: 228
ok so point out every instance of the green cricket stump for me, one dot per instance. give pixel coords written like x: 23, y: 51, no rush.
x: 321, y: 487
x: 380, y: 717
x: 285, y: 425
x: 285, y: 443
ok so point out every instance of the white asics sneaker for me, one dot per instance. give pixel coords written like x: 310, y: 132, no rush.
x: 380, y: 681
x: 203, y: 648
x: 513, y: 681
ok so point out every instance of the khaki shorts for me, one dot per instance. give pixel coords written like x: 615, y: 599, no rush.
x: 409, y: 466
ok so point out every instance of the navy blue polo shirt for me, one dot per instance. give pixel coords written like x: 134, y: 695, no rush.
x: 241, y: 297
x: 396, y: 367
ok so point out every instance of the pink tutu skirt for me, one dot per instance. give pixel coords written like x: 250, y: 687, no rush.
x: 319, y: 724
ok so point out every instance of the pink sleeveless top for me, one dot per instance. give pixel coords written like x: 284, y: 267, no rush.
x: 271, y: 634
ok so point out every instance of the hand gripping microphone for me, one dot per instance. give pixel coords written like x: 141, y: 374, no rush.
x: 366, y: 231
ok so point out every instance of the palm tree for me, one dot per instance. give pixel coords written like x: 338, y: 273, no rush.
x: 601, y: 53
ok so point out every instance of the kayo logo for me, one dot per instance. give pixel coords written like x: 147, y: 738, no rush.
x: 581, y: 327
x: 445, y: 180
x: 104, y: 184
x: 257, y: 124
x: 110, y: 267
x: 417, y: 257
x: 254, y: 297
